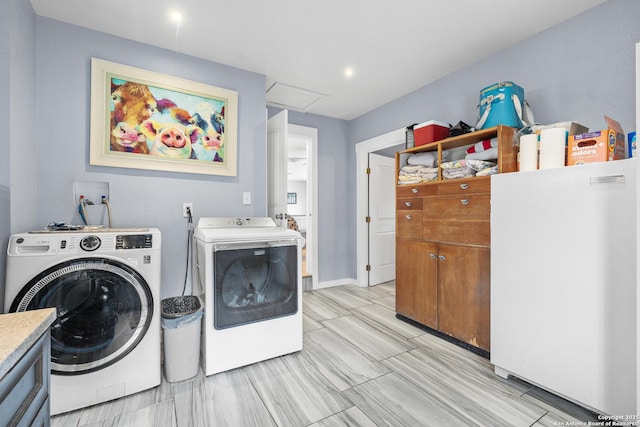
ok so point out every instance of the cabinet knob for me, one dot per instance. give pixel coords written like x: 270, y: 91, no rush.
x: 432, y: 256
x: 441, y: 257
x: 409, y: 217
x: 464, y: 186
x: 407, y: 204
x: 415, y: 190
x: 464, y: 201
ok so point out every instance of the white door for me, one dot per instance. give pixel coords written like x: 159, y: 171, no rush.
x: 382, y: 224
x: 277, y: 167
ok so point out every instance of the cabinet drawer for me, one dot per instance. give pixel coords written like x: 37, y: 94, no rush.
x: 414, y: 190
x: 414, y: 204
x: 25, y: 388
x: 409, y: 225
x: 460, y: 207
x: 467, y: 232
x: 473, y: 185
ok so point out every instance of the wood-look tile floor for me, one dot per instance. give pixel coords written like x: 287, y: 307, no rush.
x: 360, y: 366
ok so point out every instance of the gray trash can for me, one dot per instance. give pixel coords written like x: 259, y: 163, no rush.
x: 181, y: 325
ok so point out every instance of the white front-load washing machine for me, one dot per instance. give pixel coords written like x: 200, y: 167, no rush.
x: 105, y: 287
x: 248, y: 272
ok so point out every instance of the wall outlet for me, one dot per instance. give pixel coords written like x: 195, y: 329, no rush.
x: 246, y: 198
x: 185, y: 206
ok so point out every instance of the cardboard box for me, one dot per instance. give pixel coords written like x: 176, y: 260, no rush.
x: 601, y: 146
x: 428, y: 132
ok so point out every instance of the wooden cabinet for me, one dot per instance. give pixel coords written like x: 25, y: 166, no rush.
x: 443, y: 244
x: 416, y: 281
x: 464, y: 293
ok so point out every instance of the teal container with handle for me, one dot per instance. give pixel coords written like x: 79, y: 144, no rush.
x: 503, y: 103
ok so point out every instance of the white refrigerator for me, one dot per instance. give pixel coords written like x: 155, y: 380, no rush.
x: 563, y: 282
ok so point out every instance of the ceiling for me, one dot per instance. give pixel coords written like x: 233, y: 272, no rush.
x: 303, y: 48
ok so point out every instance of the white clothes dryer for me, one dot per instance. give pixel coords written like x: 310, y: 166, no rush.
x: 105, y: 287
x: 248, y: 272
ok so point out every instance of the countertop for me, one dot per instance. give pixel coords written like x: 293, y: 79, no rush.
x: 19, y: 331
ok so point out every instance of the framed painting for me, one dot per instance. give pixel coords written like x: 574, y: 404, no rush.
x: 146, y: 120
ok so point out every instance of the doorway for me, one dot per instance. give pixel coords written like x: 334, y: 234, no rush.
x: 295, y: 198
x: 363, y: 149
x: 302, y: 193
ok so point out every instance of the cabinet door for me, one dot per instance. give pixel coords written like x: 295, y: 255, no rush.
x: 464, y: 293
x: 416, y: 281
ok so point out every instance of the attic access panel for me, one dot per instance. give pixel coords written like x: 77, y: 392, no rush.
x: 291, y: 97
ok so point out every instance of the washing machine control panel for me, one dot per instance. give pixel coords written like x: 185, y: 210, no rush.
x: 90, y: 243
x: 134, y: 241
x: 70, y: 243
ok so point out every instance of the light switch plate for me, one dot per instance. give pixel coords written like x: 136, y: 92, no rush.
x: 246, y: 198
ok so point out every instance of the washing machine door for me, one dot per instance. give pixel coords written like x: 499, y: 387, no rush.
x: 104, y: 309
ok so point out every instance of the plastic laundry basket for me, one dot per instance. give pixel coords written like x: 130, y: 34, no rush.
x: 181, y: 325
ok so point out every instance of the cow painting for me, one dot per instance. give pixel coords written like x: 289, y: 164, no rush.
x: 133, y: 103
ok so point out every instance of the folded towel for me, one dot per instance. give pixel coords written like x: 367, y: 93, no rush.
x: 410, y: 181
x: 411, y: 169
x: 483, y: 146
x: 456, y: 169
x: 478, y: 165
x: 457, y: 173
x: 427, y: 158
x: 417, y: 174
x: 417, y: 170
x: 454, y: 164
x: 488, y: 171
x: 490, y: 154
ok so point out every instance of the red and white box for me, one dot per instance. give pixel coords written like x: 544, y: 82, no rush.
x: 428, y: 132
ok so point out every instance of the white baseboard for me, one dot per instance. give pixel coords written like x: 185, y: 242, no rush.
x: 338, y: 282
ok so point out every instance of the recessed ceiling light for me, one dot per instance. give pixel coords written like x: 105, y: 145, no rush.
x: 349, y: 72
x: 176, y: 16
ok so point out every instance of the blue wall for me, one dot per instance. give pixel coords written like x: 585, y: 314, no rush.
x: 5, y: 148
x: 139, y: 198
x: 578, y: 70
x: 18, y: 173
x: 336, y: 225
x: 5, y: 91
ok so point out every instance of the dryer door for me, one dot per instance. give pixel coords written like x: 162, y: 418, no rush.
x: 104, y: 309
x: 254, y: 282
